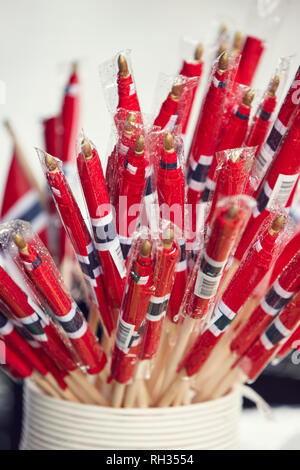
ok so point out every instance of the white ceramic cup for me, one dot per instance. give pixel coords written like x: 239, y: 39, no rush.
x: 50, y: 423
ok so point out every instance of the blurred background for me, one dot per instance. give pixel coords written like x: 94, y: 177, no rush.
x: 39, y: 41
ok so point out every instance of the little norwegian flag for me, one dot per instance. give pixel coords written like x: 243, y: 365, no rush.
x: 21, y: 201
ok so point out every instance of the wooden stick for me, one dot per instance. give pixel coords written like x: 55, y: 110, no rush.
x: 118, y: 395
x: 172, y: 391
x: 20, y: 155
x: 44, y: 385
x: 91, y: 391
x: 94, y: 318
x: 236, y: 376
x: 143, y: 398
x: 131, y: 393
x: 66, y: 394
x: 189, y: 324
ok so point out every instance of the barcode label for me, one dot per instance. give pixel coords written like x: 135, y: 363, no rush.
x: 124, y: 335
x: 262, y: 162
x: 206, y: 286
x: 117, y: 256
x: 282, y: 190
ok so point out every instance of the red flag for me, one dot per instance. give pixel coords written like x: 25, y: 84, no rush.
x: 21, y: 201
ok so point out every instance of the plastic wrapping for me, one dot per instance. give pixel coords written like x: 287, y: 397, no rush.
x: 230, y: 220
x: 135, y: 305
x: 118, y: 83
x: 207, y: 130
x: 102, y: 220
x: 234, y: 130
x: 78, y: 234
x: 14, y: 340
x: 270, y: 341
x: 38, y: 267
x: 270, y: 307
x: 39, y: 327
x: 232, y: 175
x: 131, y: 183
x: 284, y: 120
x: 264, y: 115
x: 251, y: 271
x: 192, y: 67
x: 262, y: 23
x: 168, y: 158
x: 277, y: 186
x: 175, y: 107
x: 167, y: 253
x: 126, y: 128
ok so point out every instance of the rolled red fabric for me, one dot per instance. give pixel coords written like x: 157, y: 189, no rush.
x: 289, y: 251
x: 117, y: 159
x: 251, y: 55
x: 80, y: 238
x: 191, y: 70
x: 168, y: 114
x: 101, y: 216
x: 166, y: 259
x: 70, y: 117
x: 231, y: 179
x: 261, y: 123
x: 271, y: 305
x: 260, y: 353
x: 38, y: 325
x: 15, y: 365
x: 171, y: 198
x: 244, y: 281
x: 132, y: 316
x: 233, y: 137
x: 226, y: 228
x: 18, y: 344
x: 277, y: 187
x: 46, y: 280
x: 206, y: 136
x: 126, y: 87
x: 132, y: 187
x: 280, y: 127
x: 293, y: 342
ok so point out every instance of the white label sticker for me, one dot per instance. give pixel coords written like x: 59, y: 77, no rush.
x: 206, y: 286
x: 124, y: 335
x: 282, y: 190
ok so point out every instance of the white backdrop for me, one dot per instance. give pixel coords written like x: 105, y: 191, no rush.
x: 39, y: 38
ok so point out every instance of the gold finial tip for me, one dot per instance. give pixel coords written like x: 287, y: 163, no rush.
x: 277, y: 224
x: 223, y: 29
x: 199, y: 52
x: 274, y: 85
x: 223, y: 61
x: 232, y: 212
x: 168, y: 238
x: 75, y: 66
x: 86, y: 149
x: 146, y: 249
x: 248, y: 97
x: 237, y: 42
x: 176, y: 89
x: 139, y: 145
x: 50, y: 162
x: 123, y: 66
x: 20, y: 241
x: 168, y: 142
